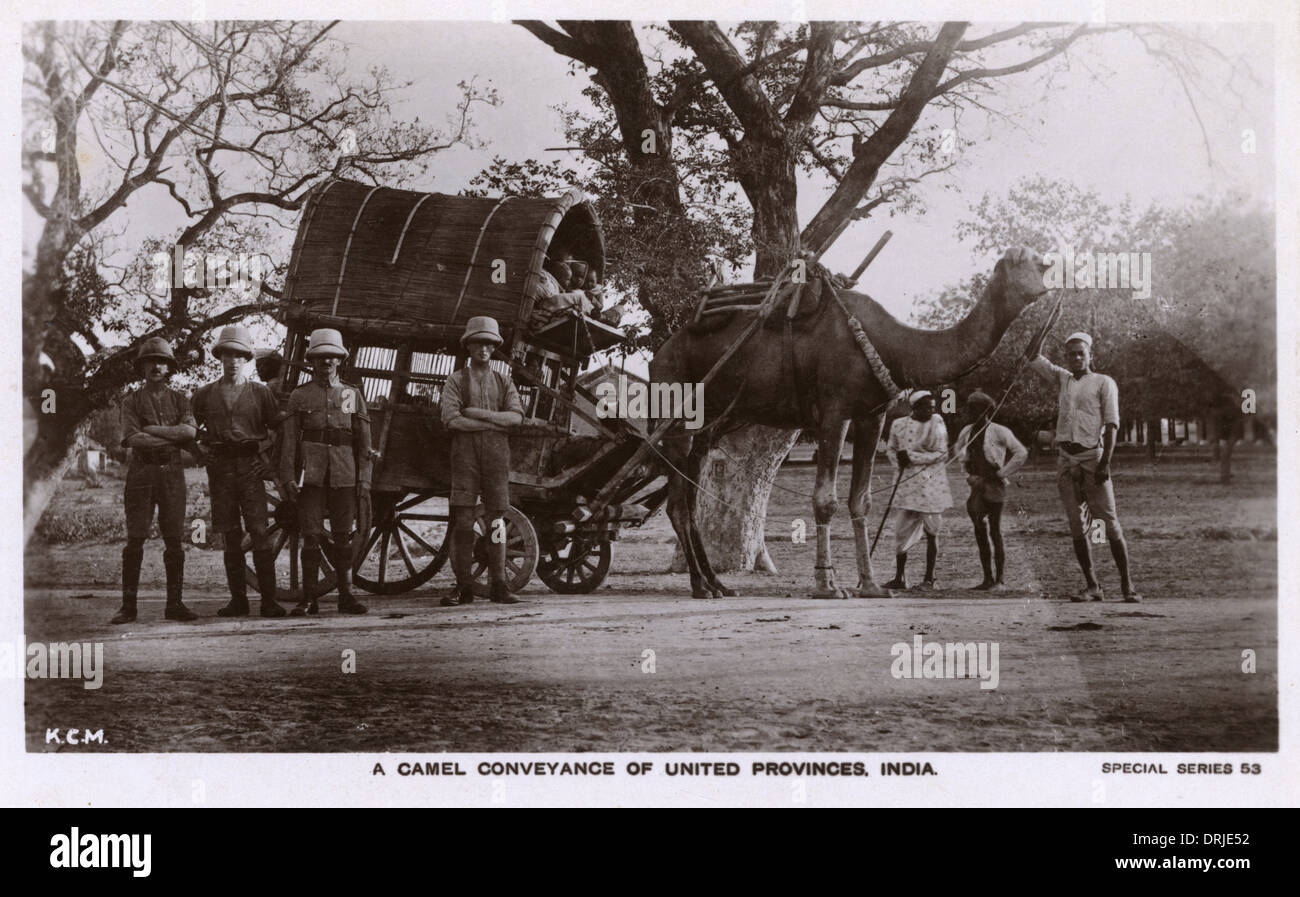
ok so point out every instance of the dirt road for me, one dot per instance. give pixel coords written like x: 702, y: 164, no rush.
x: 768, y: 671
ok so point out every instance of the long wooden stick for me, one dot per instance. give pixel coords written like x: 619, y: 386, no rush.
x: 875, y: 251
x: 888, y: 506
x: 644, y: 450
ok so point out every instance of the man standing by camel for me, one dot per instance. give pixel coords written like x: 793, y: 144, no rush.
x: 918, y: 448
x: 479, y: 405
x: 1086, y: 422
x: 991, y: 453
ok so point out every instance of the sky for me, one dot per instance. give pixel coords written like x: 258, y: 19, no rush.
x: 1112, y: 121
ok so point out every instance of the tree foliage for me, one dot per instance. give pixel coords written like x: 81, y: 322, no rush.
x: 227, y: 125
x: 1205, y: 332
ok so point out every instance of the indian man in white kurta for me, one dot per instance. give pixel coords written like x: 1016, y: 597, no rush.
x: 918, y: 449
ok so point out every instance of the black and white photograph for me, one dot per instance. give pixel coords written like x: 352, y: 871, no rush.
x: 468, y: 408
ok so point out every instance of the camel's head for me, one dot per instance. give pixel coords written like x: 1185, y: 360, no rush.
x: 1017, y: 282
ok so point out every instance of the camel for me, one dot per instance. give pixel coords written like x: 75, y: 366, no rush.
x: 816, y: 377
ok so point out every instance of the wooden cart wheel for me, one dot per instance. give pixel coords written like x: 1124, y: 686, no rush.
x: 406, y: 548
x: 283, y: 531
x: 521, y: 551
x: 575, y: 567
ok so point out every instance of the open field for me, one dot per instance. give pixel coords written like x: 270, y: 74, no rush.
x: 569, y: 673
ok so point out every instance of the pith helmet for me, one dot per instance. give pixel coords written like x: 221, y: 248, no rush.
x: 234, y: 338
x: 326, y: 341
x: 155, y: 349
x: 482, y: 327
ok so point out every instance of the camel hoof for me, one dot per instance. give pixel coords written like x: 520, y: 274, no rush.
x: 829, y: 592
x: 704, y: 595
x: 724, y: 592
x: 871, y: 590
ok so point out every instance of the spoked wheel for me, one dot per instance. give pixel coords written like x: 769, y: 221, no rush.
x: 575, y: 567
x: 521, y: 550
x: 407, y: 546
x: 283, y: 533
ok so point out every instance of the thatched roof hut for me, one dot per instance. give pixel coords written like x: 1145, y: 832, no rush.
x: 401, y: 265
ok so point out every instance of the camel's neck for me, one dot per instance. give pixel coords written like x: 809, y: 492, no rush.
x: 929, y: 357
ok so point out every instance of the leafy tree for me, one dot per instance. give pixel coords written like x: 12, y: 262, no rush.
x: 233, y: 123
x: 1205, y: 332
x: 700, y: 113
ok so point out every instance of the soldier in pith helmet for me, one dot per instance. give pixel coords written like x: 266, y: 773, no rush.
x: 479, y: 405
x: 156, y: 422
x: 236, y: 416
x: 325, y: 462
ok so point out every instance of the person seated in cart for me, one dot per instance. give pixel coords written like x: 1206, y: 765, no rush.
x: 326, y: 441
x: 479, y: 405
x: 236, y: 417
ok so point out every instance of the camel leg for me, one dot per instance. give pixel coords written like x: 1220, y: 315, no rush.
x: 695, y: 461
x: 866, y: 433
x: 830, y: 442
x: 681, y: 512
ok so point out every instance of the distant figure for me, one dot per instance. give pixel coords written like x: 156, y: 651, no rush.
x: 270, y: 367
x: 1086, y: 422
x: 991, y: 454
x: 918, y: 447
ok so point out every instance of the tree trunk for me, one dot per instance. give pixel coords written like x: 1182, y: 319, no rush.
x: 48, y: 460
x: 740, y: 471
x: 1153, y: 436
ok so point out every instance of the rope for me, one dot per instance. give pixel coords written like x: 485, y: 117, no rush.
x: 887, y: 383
x: 878, y: 368
x: 920, y: 468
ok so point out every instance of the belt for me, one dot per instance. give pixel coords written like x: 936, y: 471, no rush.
x: 1075, y: 448
x: 233, y: 449
x: 329, y: 436
x: 154, y: 455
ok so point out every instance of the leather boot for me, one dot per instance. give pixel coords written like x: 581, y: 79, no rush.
x: 348, y: 604
x: 131, y: 559
x: 310, y: 574
x: 264, y: 564
x: 174, y: 562
x: 235, y: 578
x: 501, y: 594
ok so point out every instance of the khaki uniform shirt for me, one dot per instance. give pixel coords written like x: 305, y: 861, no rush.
x: 493, y: 391
x: 338, y: 406
x: 248, y: 419
x: 143, y: 408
